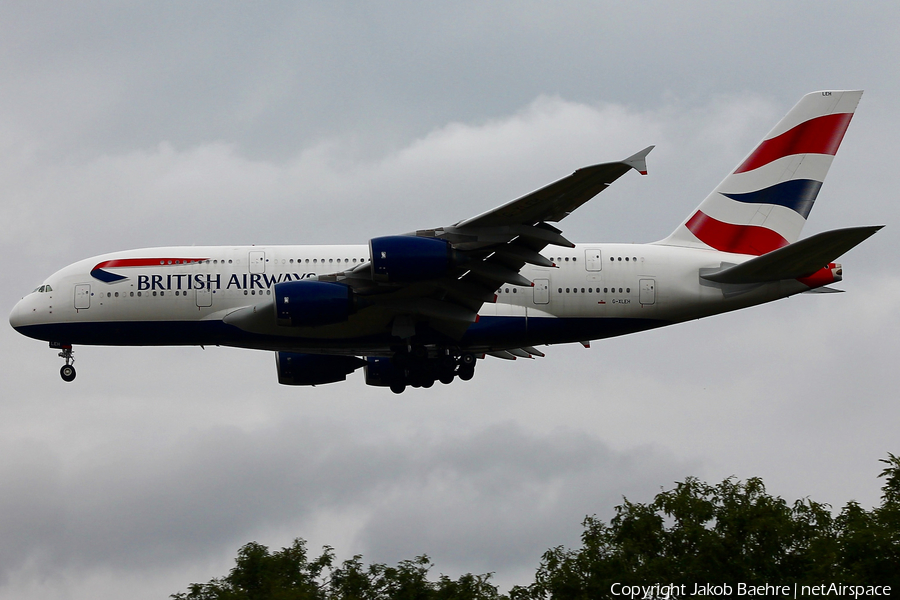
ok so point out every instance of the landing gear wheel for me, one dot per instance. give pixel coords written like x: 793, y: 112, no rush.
x: 398, y: 387
x: 466, y: 359
x: 466, y: 372
x: 446, y: 377
x: 67, y: 372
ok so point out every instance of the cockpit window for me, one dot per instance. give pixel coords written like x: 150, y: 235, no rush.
x: 42, y: 289
x: 47, y: 288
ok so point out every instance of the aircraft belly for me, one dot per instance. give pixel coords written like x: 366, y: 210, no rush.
x: 510, y: 332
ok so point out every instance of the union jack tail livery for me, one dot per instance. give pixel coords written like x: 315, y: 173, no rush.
x: 763, y: 204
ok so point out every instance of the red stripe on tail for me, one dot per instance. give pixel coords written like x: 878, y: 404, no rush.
x: 821, y: 135
x: 739, y: 239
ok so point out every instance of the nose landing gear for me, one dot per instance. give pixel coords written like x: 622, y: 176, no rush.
x: 67, y: 371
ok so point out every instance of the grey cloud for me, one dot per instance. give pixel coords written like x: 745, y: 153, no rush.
x: 159, y: 503
x: 215, y: 123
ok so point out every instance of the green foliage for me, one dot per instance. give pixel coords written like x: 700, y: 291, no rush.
x: 288, y: 574
x: 696, y: 533
x: 731, y: 532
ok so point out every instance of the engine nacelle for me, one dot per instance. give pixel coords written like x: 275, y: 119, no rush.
x: 381, y: 371
x: 310, y: 303
x: 314, y: 369
x: 409, y: 258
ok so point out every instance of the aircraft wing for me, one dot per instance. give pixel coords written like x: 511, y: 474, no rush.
x: 488, y: 251
x: 559, y: 199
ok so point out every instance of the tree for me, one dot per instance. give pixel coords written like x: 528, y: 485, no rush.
x: 288, y: 574
x: 731, y: 532
x: 260, y: 575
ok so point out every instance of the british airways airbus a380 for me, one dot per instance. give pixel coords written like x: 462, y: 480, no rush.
x: 411, y: 309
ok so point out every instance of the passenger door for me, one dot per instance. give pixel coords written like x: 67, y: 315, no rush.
x: 542, y: 291
x: 648, y: 291
x: 82, y: 296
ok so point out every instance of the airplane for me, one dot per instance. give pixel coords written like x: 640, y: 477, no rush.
x: 425, y: 306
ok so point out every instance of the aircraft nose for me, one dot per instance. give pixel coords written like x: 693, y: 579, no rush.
x: 17, y: 316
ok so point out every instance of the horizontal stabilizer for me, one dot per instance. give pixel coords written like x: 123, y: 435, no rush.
x: 796, y: 260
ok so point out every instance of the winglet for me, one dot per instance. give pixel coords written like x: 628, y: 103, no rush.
x: 639, y: 161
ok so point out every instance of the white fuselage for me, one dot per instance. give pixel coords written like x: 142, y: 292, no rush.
x: 185, y: 295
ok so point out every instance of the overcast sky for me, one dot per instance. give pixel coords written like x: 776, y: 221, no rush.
x: 133, y: 124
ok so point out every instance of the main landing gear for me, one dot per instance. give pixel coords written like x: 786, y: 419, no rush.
x: 67, y: 371
x: 415, y: 368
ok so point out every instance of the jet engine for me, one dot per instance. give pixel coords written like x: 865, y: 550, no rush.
x: 314, y: 369
x: 310, y: 303
x: 409, y: 258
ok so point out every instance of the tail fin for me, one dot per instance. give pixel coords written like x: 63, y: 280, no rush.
x: 764, y: 203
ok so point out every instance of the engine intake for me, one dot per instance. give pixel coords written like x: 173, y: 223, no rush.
x: 314, y: 369
x: 409, y: 258
x: 311, y: 303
